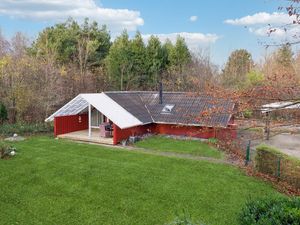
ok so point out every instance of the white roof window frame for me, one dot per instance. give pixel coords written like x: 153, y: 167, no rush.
x: 167, y: 109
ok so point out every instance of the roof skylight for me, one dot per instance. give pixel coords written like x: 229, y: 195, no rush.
x: 168, y: 108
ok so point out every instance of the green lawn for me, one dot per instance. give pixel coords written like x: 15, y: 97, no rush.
x: 59, y: 182
x: 193, y: 147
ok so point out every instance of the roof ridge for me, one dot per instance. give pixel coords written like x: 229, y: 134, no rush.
x: 169, y: 92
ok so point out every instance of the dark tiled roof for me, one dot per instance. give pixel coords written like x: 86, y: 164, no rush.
x: 133, y: 103
x: 189, y: 109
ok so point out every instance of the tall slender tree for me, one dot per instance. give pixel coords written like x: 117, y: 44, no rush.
x: 119, y: 63
x: 236, y: 69
x: 138, y: 57
x: 157, y: 57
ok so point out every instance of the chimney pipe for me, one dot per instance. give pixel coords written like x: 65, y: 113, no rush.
x: 160, y: 93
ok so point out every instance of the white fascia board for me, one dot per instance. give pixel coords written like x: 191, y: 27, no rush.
x: 111, y: 109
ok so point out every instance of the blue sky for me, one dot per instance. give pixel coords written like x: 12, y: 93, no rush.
x: 218, y: 27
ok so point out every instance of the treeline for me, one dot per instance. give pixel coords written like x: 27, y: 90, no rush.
x: 122, y: 64
x: 281, y: 68
x: 70, y: 58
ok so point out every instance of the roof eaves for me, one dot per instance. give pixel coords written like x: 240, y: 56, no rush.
x: 189, y: 124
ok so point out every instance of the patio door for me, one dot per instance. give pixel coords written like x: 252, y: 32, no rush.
x: 97, y: 118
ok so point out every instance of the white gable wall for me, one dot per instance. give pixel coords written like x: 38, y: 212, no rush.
x: 116, y: 113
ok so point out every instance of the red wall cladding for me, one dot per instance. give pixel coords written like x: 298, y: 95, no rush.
x: 228, y: 133
x: 122, y: 134
x: 191, y: 131
x: 66, y: 124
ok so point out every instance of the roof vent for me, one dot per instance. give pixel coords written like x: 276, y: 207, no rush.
x: 168, y: 108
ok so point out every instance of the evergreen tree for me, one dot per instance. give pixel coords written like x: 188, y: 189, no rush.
x: 284, y: 60
x: 168, y: 48
x: 69, y: 41
x: 157, y: 58
x: 139, y: 60
x: 3, y: 113
x: 119, y: 63
x: 237, y: 67
x: 180, y: 55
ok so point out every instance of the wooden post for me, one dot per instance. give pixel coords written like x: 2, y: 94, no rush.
x: 90, y: 121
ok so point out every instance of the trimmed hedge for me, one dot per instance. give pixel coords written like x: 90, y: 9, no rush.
x: 264, y: 147
x: 24, y: 128
x: 271, y: 161
x: 271, y: 211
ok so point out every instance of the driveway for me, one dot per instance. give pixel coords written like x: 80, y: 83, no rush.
x: 286, y: 143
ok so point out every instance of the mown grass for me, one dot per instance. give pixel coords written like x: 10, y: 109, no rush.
x: 193, y: 147
x: 60, y: 182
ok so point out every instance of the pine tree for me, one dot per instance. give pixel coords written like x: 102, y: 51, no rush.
x: 237, y: 67
x: 3, y: 113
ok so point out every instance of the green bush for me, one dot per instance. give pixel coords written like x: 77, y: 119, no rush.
x: 24, y: 128
x: 212, y: 141
x: 247, y: 113
x: 5, y: 150
x: 271, y: 211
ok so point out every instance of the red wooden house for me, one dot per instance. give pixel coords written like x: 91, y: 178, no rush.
x: 110, y: 117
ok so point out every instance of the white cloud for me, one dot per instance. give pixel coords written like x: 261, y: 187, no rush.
x: 193, y: 40
x: 261, y: 18
x: 193, y: 18
x: 56, y: 10
x: 265, y: 31
x: 278, y: 32
x: 261, y: 23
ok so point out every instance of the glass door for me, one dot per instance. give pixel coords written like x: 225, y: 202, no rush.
x: 97, y: 118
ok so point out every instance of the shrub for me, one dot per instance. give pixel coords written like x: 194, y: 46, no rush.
x: 213, y: 141
x: 25, y: 128
x: 247, y: 113
x: 5, y: 150
x: 271, y: 161
x: 271, y: 211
